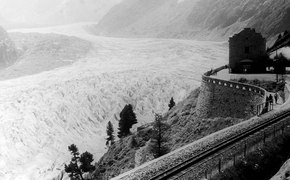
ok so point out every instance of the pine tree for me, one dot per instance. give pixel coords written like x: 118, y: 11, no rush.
x: 79, y: 164
x: 73, y: 168
x: 85, y: 160
x: 171, y: 103
x: 158, y: 146
x: 127, y: 120
x: 110, y: 133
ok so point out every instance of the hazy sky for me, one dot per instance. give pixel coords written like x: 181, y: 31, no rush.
x: 26, y: 10
x: 53, y: 11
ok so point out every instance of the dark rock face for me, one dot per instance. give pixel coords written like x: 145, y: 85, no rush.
x: 8, y: 52
x: 197, y: 19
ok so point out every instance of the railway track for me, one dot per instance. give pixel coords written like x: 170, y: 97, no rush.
x: 173, y: 172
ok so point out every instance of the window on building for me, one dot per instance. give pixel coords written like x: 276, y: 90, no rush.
x: 247, y: 50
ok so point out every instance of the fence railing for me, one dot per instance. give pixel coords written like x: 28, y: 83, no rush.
x: 264, y: 107
x: 235, y: 85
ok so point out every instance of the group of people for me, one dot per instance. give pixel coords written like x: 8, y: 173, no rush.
x: 270, y: 99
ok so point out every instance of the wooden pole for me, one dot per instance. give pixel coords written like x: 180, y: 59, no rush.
x: 234, y: 160
x: 245, y: 150
x: 220, y: 165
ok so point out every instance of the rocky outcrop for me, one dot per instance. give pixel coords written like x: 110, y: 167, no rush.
x: 8, y: 52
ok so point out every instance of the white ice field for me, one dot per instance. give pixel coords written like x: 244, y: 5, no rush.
x: 42, y: 114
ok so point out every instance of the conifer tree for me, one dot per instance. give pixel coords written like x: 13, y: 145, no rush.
x: 79, y: 164
x: 127, y: 120
x: 158, y: 146
x: 110, y: 133
x: 85, y: 160
x: 171, y: 103
x: 73, y: 168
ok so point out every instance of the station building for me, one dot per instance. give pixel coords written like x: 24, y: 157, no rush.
x: 247, y: 52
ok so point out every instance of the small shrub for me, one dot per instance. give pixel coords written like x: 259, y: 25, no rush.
x: 287, y: 174
x: 243, y: 80
x: 171, y: 103
x: 133, y: 142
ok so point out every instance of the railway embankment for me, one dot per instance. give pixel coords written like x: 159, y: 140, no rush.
x: 153, y: 168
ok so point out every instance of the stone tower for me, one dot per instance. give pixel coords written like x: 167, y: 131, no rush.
x: 247, y: 52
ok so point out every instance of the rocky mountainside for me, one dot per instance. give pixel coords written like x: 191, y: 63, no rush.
x: 52, y: 12
x: 8, y: 51
x: 197, y: 19
x: 68, y: 11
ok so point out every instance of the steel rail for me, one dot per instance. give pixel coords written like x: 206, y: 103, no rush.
x: 173, y: 171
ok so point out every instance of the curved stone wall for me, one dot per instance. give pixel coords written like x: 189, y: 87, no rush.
x: 220, y: 98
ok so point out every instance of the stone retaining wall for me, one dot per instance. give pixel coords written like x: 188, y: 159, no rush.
x: 286, y: 93
x: 221, y: 98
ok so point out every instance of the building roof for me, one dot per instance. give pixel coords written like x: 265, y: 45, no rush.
x: 246, y: 61
x: 246, y: 32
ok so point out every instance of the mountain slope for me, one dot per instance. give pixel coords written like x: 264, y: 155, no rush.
x: 198, y: 19
x: 52, y: 12
x: 8, y: 51
x: 78, y: 11
x: 40, y: 53
x: 184, y: 127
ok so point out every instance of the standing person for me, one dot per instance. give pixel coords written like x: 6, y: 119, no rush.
x: 271, y: 99
x: 267, y: 103
x: 276, y: 97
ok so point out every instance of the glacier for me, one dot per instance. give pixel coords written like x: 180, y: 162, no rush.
x: 43, y: 113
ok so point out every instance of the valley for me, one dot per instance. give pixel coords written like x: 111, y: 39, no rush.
x: 70, y: 66
x: 45, y: 111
